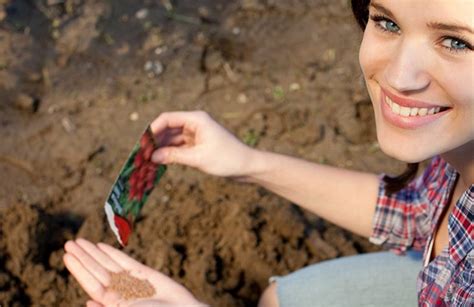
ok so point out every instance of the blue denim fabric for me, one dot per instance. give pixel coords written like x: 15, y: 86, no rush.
x: 375, y: 279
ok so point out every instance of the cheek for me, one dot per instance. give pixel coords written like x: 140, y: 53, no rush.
x: 371, y: 57
x: 372, y: 60
x: 458, y: 86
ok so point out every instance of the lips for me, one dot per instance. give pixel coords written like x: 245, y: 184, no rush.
x: 408, y: 113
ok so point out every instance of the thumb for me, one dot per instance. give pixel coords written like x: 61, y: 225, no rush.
x: 169, y: 155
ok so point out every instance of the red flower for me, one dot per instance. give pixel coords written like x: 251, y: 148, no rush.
x: 147, y: 152
x: 124, y: 228
x: 133, y: 179
x: 138, y: 160
x: 149, y: 186
x: 144, y: 140
x: 141, y: 173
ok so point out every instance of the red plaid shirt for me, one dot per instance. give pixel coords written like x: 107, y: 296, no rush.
x: 408, y: 219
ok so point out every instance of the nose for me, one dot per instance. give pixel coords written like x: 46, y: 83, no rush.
x: 408, y: 69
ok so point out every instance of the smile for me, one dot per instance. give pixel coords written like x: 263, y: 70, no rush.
x: 407, y: 113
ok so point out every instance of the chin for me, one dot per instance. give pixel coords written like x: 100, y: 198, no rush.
x: 409, y: 151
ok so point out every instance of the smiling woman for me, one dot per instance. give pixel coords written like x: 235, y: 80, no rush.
x: 417, y: 60
x: 418, y: 63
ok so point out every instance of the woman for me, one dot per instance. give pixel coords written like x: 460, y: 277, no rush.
x: 417, y: 60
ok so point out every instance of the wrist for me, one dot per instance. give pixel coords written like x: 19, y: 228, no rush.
x: 254, y: 164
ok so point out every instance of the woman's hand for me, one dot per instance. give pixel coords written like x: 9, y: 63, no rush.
x: 195, y: 139
x: 91, y: 266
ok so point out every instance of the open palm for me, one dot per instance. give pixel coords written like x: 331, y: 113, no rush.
x: 91, y: 265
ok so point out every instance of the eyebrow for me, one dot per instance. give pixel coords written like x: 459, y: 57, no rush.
x: 382, y: 9
x: 450, y: 27
x: 432, y: 25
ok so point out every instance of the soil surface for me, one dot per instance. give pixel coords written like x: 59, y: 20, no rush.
x: 81, y: 79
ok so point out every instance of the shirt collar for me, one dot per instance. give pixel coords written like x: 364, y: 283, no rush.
x: 461, y: 226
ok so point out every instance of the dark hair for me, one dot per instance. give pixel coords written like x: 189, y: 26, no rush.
x: 360, y: 8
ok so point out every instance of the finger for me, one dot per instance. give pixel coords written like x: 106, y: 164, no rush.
x: 175, y: 120
x: 88, y: 262
x: 168, y: 120
x: 122, y: 259
x: 180, y: 155
x: 99, y: 256
x: 93, y: 304
x: 87, y: 281
x: 165, y: 139
x: 136, y: 268
x: 163, y: 135
x: 177, y: 140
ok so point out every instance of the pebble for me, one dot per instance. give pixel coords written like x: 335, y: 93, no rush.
x: 141, y: 14
x: 26, y: 103
x: 53, y: 109
x: 329, y: 56
x: 294, y: 87
x: 68, y: 125
x: 236, y: 30
x: 242, y: 98
x: 153, y: 40
x: 160, y: 50
x: 134, y: 116
x: 154, y: 68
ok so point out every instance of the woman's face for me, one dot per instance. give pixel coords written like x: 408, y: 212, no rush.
x: 418, y: 63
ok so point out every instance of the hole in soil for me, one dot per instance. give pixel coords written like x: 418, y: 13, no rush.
x: 59, y: 228
x: 214, y: 274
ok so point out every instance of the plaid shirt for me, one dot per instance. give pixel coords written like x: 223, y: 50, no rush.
x: 408, y: 219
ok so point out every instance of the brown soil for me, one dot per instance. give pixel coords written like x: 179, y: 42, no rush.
x: 130, y: 287
x: 283, y: 75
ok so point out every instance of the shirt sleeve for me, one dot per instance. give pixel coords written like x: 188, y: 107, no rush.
x: 402, y: 219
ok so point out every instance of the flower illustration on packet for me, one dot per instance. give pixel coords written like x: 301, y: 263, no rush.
x: 134, y: 184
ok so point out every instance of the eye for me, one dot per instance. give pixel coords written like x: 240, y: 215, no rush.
x: 455, y: 44
x: 385, y: 24
x: 389, y: 25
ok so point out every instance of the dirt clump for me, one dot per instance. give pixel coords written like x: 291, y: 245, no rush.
x: 31, y: 256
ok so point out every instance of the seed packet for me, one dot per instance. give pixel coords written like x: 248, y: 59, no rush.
x: 134, y: 184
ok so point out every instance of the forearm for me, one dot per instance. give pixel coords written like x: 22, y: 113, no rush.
x: 343, y: 197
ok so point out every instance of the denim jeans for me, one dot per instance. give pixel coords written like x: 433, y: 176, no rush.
x: 374, y: 279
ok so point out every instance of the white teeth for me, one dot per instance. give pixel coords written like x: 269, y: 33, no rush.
x: 423, y: 111
x: 395, y: 108
x: 406, y: 111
